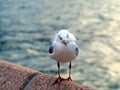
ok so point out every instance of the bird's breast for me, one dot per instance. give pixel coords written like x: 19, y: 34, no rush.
x: 63, y: 53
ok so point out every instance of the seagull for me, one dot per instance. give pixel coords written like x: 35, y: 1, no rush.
x: 63, y: 49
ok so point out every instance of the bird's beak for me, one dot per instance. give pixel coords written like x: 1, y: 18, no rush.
x: 65, y: 42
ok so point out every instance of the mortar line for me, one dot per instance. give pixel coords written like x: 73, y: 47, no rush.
x: 29, y: 82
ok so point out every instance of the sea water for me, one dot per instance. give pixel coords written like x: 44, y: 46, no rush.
x: 26, y: 27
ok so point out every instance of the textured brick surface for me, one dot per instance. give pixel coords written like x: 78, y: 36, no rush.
x: 45, y: 82
x: 14, y: 77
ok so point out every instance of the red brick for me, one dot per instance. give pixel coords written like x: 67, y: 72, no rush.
x: 45, y: 82
x: 15, y: 77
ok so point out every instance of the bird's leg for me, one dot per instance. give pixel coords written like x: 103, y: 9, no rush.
x: 69, y: 78
x: 58, y: 69
x: 59, y: 79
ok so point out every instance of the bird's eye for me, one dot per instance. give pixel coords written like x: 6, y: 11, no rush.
x: 60, y: 38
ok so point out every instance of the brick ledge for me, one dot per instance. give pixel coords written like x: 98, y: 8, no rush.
x: 15, y: 77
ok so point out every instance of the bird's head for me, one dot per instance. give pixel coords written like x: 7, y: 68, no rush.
x: 65, y: 37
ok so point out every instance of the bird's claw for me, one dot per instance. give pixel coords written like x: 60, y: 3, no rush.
x: 58, y: 80
x: 69, y: 79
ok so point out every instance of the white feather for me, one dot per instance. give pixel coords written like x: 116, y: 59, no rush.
x: 61, y: 52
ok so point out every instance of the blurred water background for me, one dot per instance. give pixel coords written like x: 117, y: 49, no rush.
x: 26, y: 27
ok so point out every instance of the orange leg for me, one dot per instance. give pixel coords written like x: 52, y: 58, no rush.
x: 69, y: 78
x: 59, y: 79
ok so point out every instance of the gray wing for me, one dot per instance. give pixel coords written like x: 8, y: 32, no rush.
x: 51, y: 44
x: 51, y: 49
x: 76, y: 51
